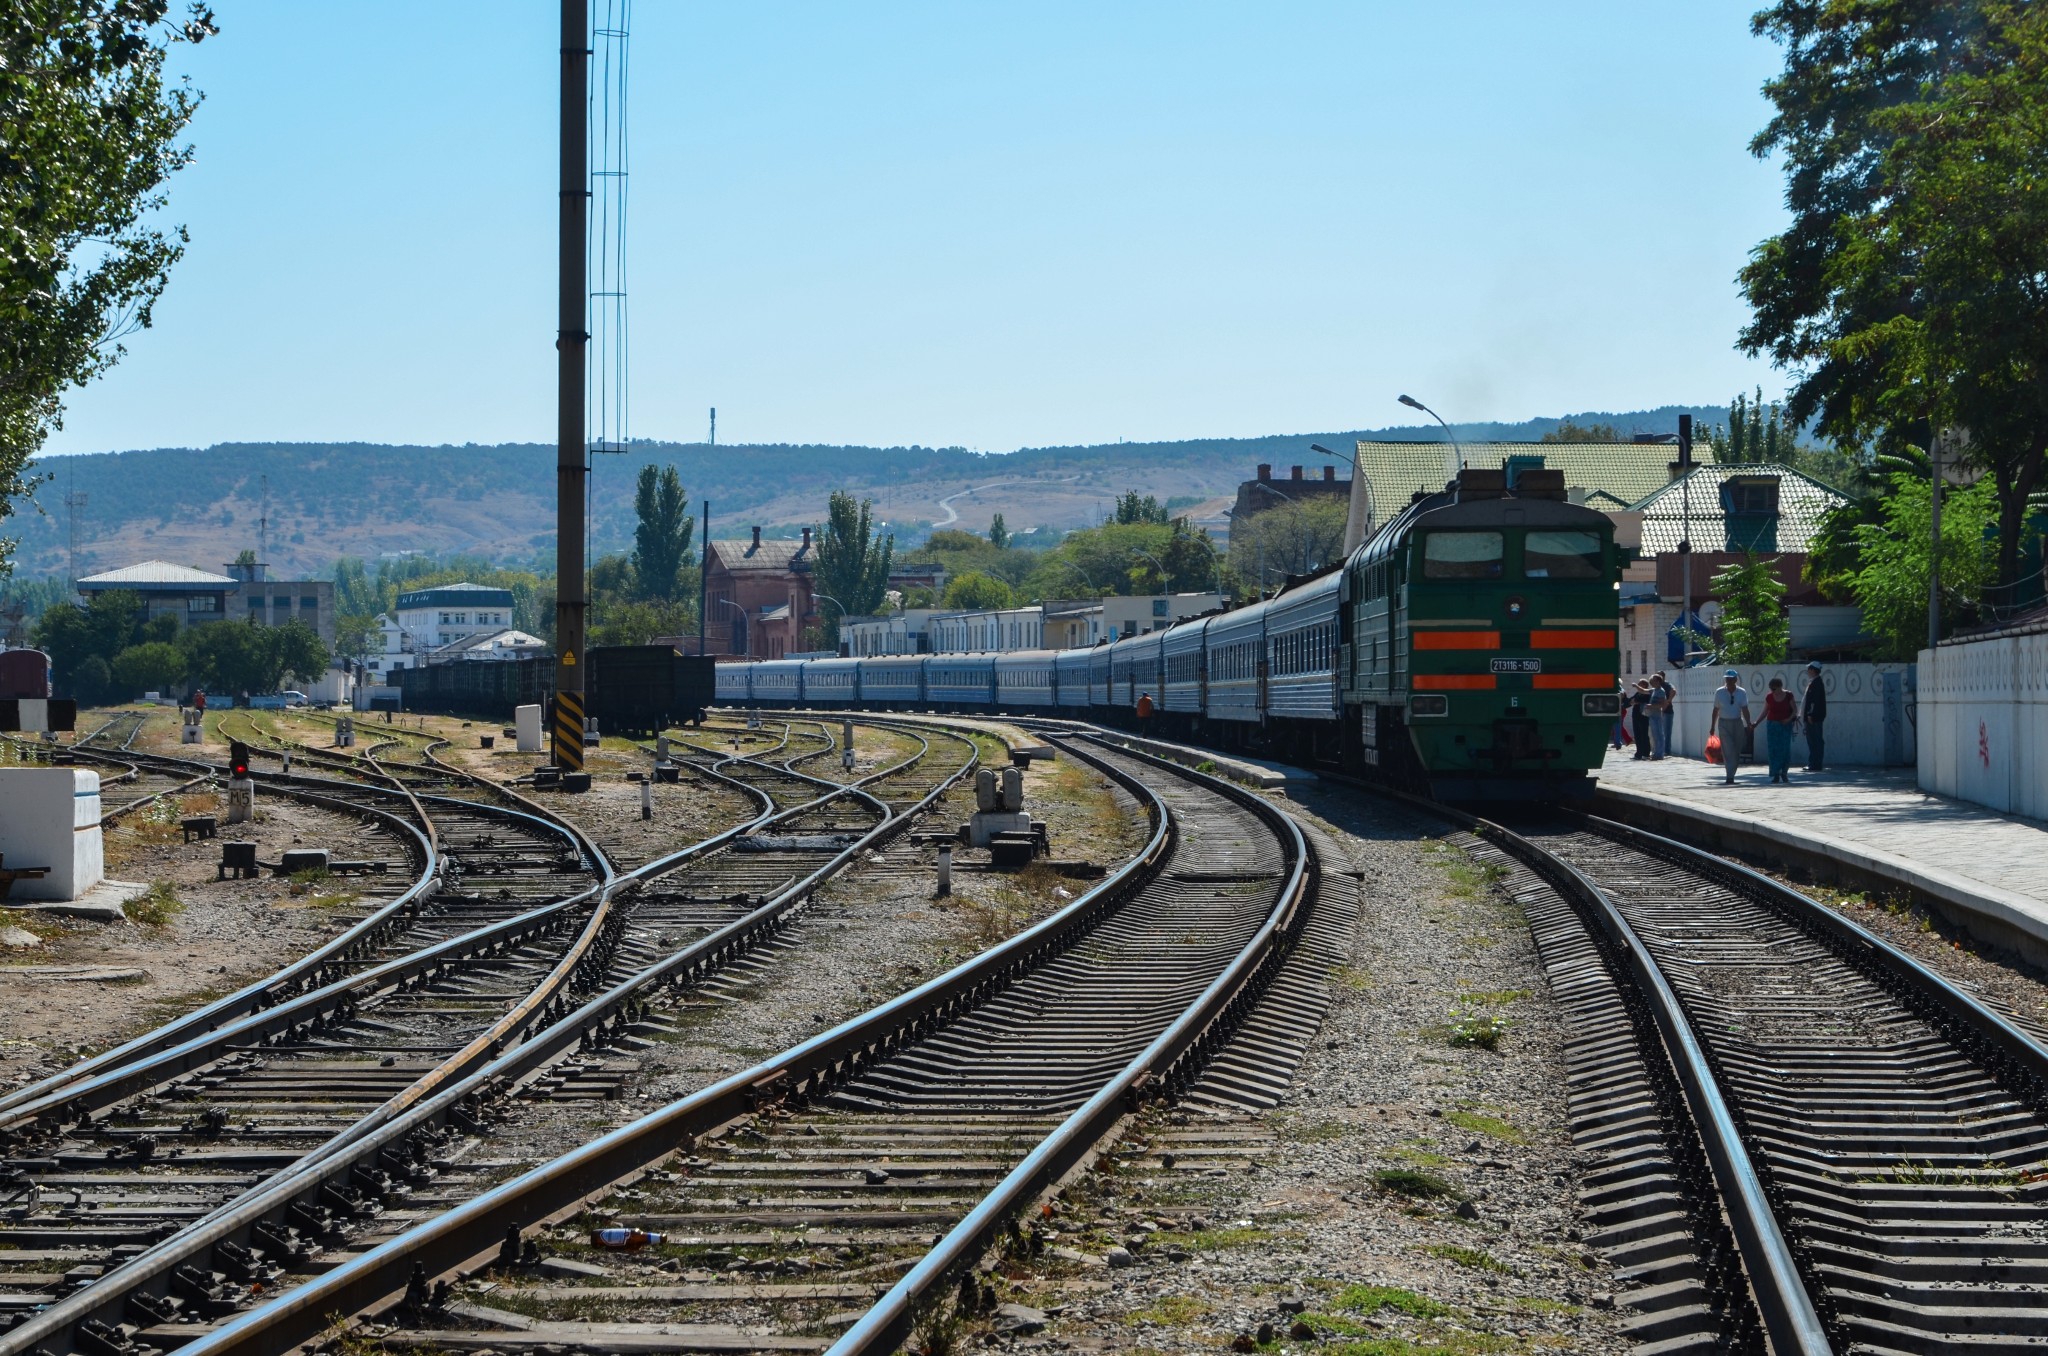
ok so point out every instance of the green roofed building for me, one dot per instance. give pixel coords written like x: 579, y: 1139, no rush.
x: 1606, y: 476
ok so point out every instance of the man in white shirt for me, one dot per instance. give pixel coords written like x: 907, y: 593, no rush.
x: 1731, y: 719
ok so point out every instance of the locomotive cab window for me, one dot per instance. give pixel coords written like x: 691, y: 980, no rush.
x: 1561, y: 555
x: 1462, y: 555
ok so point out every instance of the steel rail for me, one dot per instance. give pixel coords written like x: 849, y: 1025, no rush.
x: 258, y: 1019
x: 314, y: 1175
x: 263, y: 993
x: 478, y: 1227
x: 887, y: 1323
x: 1784, y: 1304
x: 1940, y: 1000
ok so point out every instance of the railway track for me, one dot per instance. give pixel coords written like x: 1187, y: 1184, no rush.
x: 1800, y: 1139
x: 693, y: 914
x: 874, y: 1164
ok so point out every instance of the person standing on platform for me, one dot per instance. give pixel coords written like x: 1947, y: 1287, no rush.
x: 1661, y: 707
x: 1731, y: 720
x: 1778, y: 714
x: 1620, y: 731
x: 1639, y: 702
x: 1813, y: 711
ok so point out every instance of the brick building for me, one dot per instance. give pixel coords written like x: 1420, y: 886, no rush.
x: 759, y: 597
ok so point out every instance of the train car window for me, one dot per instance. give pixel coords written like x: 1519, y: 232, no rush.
x: 1462, y: 555
x: 1561, y: 555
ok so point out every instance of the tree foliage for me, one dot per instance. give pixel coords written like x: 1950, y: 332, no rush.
x: 89, y: 134
x: 976, y: 592
x: 1111, y: 559
x: 661, y: 543
x: 1896, y: 557
x: 1754, y: 627
x: 852, y: 563
x: 998, y: 532
x: 107, y: 650
x: 1297, y: 538
x: 1570, y: 432
x: 1906, y: 292
x: 1132, y: 507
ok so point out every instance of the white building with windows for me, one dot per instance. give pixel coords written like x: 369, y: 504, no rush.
x: 428, y: 626
x: 998, y: 630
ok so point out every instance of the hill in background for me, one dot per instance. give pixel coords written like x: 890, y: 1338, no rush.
x: 200, y: 506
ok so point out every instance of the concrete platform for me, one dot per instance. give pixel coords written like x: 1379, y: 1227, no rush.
x: 103, y: 903
x: 1863, y: 827
x: 1252, y: 772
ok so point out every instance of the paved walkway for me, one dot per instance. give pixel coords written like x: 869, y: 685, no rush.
x: 1870, y: 812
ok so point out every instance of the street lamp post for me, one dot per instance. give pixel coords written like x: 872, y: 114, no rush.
x: 1165, y: 575
x: 743, y: 616
x: 826, y: 597
x: 1412, y: 403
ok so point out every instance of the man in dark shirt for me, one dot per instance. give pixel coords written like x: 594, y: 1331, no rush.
x: 1813, y: 712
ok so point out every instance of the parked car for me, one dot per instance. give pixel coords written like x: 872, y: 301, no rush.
x: 277, y: 701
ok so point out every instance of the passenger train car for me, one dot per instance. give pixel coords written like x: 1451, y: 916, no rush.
x: 1468, y: 650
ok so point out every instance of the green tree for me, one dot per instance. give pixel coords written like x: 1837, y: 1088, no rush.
x: 152, y: 667
x: 851, y: 565
x: 108, y: 624
x: 998, y: 532
x: 354, y: 593
x: 88, y: 137
x: 1895, y: 557
x: 1906, y: 291
x: 1295, y: 538
x: 239, y: 657
x: 356, y: 636
x: 661, y: 543
x: 1132, y: 507
x: 977, y: 592
x: 1569, y: 432
x: 1754, y: 628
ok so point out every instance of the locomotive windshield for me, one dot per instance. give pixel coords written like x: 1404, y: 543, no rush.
x: 1561, y: 555
x: 1463, y: 555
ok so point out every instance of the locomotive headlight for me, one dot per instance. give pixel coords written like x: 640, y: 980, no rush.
x: 1431, y: 705
x: 1602, y: 704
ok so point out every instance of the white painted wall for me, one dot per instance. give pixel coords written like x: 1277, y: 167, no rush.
x: 1870, y: 710
x: 51, y: 817
x: 1984, y: 723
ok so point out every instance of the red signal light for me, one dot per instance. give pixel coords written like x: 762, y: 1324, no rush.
x: 238, y: 760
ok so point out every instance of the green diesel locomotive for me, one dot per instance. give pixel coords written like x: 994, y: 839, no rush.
x: 1482, y: 628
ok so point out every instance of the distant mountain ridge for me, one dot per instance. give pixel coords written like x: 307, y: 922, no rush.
x: 200, y: 506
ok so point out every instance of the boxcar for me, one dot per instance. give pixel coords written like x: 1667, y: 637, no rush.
x: 640, y: 689
x: 24, y: 673
x: 1024, y: 680
x: 1236, y: 651
x: 1070, y: 679
x: 960, y: 681
x: 894, y: 681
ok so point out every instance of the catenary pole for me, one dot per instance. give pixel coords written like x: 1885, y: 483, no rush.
x: 704, y: 585
x: 570, y: 340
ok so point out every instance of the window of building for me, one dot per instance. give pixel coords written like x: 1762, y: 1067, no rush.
x: 1158, y: 607
x: 309, y: 603
x: 255, y: 604
x: 206, y: 603
x: 444, y: 619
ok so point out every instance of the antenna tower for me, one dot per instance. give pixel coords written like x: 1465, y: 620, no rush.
x: 263, y: 526
x: 610, y: 28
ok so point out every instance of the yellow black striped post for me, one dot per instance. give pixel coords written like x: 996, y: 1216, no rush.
x: 569, y: 731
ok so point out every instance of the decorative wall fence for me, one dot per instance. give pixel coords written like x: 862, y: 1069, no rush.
x: 1870, y: 710
x: 1984, y: 723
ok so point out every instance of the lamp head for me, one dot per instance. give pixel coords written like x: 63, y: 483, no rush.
x: 1412, y: 403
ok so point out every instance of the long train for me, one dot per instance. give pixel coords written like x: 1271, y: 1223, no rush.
x: 1467, y: 650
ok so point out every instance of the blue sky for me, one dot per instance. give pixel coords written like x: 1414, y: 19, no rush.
x: 985, y: 225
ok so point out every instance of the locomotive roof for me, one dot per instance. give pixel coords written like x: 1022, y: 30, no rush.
x: 1445, y: 511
